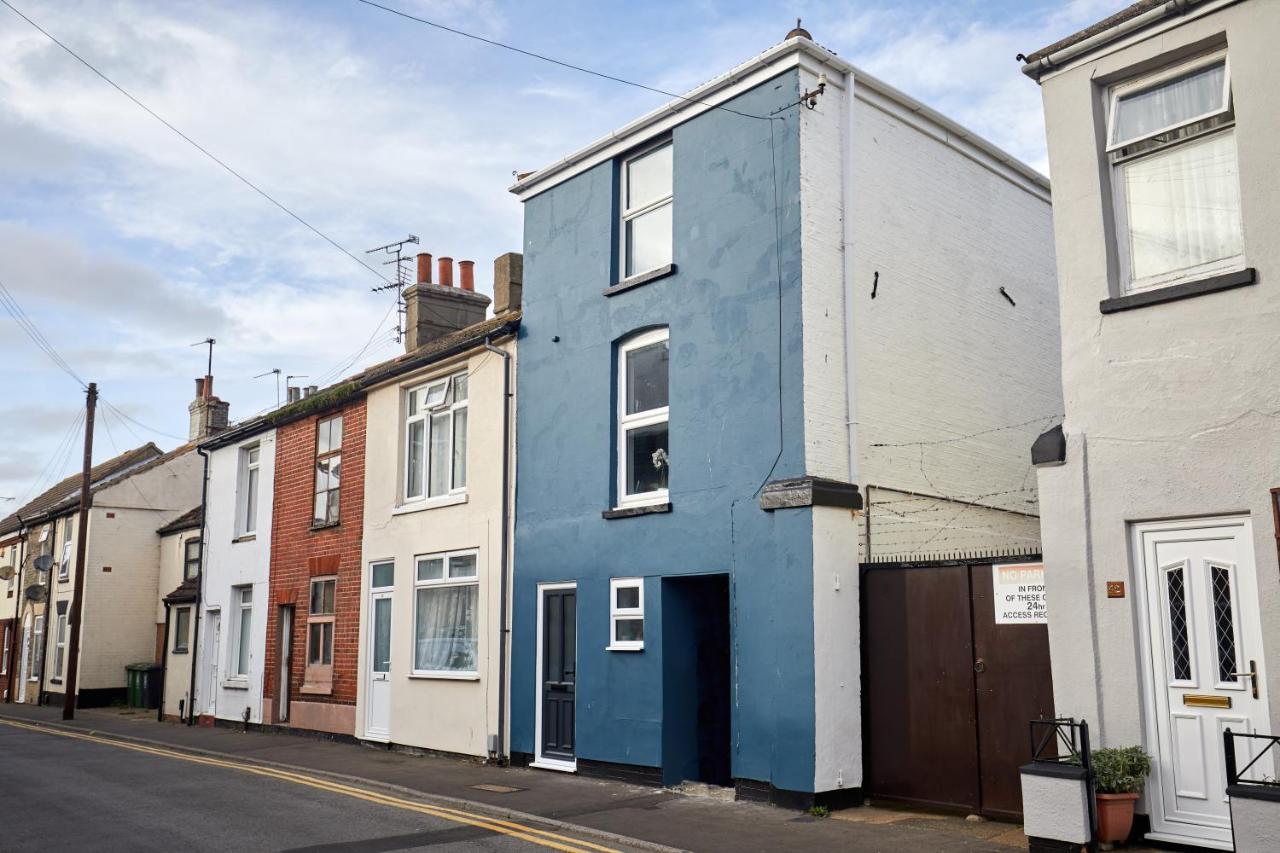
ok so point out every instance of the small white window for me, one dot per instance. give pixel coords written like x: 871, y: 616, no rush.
x: 37, y: 650
x: 60, y: 641
x: 181, y: 630
x: 644, y: 461
x: 435, y: 438
x: 1171, y: 143
x: 241, y: 630
x: 4, y: 661
x: 247, y: 511
x: 626, y: 614
x: 646, y: 211
x: 446, y: 601
x: 64, y: 567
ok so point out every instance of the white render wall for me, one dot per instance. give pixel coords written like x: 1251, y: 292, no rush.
x: 1172, y: 410
x: 235, y: 562
x: 177, y: 679
x: 448, y: 714
x: 939, y: 354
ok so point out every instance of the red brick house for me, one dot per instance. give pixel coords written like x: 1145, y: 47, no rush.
x: 313, y: 616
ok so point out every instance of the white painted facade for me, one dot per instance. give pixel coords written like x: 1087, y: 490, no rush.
x: 1171, y: 424
x: 448, y: 712
x: 178, y: 647
x: 235, y: 560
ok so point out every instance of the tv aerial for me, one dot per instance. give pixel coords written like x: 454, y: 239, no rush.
x: 403, y: 276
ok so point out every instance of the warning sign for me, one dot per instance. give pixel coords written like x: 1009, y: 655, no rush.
x: 1019, y: 594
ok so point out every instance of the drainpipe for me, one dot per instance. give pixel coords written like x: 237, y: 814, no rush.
x: 164, y: 662
x: 48, y: 626
x: 847, y: 256
x: 195, y: 611
x: 14, y: 676
x: 506, y: 523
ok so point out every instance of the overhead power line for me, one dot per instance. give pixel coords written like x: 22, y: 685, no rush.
x: 196, y: 145
x: 33, y: 332
x: 552, y: 60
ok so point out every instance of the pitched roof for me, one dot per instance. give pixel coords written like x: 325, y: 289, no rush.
x: 65, y: 493
x: 345, y: 390
x: 185, y: 591
x: 1128, y: 13
x: 189, y: 520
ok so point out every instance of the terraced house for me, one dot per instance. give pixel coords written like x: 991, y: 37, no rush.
x: 790, y: 325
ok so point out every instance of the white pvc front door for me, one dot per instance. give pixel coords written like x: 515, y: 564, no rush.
x: 211, y: 662
x: 378, y: 719
x: 1206, y: 670
x: 24, y: 670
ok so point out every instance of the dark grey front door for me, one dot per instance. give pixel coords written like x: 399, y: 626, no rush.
x: 559, y: 671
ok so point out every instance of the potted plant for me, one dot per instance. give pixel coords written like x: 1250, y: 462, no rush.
x: 1119, y: 774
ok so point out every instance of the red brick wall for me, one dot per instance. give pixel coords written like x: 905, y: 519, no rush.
x: 298, y: 553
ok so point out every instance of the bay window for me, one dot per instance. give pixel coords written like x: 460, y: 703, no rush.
x: 446, y: 601
x: 642, y: 391
x: 436, y: 439
x: 1172, y: 149
x: 328, y: 471
x: 646, y: 204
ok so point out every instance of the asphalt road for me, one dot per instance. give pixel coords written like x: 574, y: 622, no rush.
x: 63, y: 793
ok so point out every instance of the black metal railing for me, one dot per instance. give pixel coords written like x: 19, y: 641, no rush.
x: 1236, y: 776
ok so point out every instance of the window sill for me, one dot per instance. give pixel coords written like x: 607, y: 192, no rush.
x: 55, y: 680
x: 248, y: 537
x: 1175, y: 292
x: 611, y: 648
x: 328, y: 526
x: 235, y: 684
x: 632, y: 511
x: 178, y: 651
x: 429, y: 503
x: 637, y: 280
x: 446, y: 676
x: 316, y: 689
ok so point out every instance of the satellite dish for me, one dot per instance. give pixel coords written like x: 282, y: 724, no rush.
x: 43, y: 563
x: 36, y: 592
x: 6, y: 572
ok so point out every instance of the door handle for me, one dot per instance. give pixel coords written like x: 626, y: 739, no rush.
x: 1252, y: 674
x: 979, y: 665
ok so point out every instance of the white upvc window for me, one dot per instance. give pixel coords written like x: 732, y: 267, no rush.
x: 60, y: 641
x: 4, y: 661
x: 445, y: 613
x: 247, y: 503
x: 646, y: 206
x: 642, y: 390
x: 37, y: 650
x: 64, y: 566
x: 435, y: 436
x: 1172, y: 148
x: 241, y: 630
x: 181, y: 630
x: 626, y: 614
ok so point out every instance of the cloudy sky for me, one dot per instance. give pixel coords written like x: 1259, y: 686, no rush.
x: 124, y: 245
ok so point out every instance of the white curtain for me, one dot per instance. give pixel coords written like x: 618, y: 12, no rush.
x: 1183, y: 207
x: 445, y: 633
x: 1170, y: 104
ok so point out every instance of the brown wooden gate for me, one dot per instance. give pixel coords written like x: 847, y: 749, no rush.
x: 947, y: 693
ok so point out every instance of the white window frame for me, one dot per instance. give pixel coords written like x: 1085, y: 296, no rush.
x: 64, y: 566
x: 328, y: 456
x: 188, y: 560
x: 628, y: 213
x: 59, y: 644
x: 629, y: 422
x: 239, y: 604
x: 616, y: 613
x: 181, y: 639
x: 447, y: 580
x: 8, y: 639
x: 1118, y: 160
x: 445, y: 387
x: 246, y: 522
x: 37, y: 649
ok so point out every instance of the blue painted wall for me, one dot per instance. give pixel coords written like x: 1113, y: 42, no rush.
x: 730, y: 378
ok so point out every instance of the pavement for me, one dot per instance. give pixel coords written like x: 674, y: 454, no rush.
x: 218, y: 788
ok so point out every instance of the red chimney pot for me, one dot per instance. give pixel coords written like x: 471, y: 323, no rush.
x: 466, y: 272
x: 424, y: 268
x: 446, y: 271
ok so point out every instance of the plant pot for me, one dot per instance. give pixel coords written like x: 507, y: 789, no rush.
x: 1115, y: 816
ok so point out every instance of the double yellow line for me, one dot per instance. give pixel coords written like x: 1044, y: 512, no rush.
x: 533, y: 835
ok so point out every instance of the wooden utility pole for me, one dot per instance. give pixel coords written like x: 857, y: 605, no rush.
x: 82, y: 537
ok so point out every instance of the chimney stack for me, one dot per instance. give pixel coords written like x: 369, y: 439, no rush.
x: 433, y: 310
x: 508, y: 281
x: 293, y: 394
x: 206, y: 414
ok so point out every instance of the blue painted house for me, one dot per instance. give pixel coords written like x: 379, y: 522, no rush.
x: 701, y: 407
